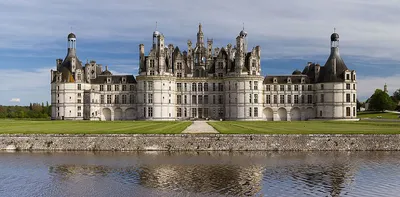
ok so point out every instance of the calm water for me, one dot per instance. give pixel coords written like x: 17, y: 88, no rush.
x: 200, y: 174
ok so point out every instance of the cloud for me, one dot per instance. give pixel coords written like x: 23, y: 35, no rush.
x: 15, y: 100
x: 368, y: 84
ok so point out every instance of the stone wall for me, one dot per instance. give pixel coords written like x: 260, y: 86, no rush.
x: 206, y: 142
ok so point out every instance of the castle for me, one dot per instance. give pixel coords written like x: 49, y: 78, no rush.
x: 202, y: 82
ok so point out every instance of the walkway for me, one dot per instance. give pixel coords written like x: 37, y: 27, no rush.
x: 200, y: 127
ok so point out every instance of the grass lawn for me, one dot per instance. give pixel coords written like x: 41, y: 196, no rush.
x: 383, y: 115
x: 306, y: 127
x: 91, y: 127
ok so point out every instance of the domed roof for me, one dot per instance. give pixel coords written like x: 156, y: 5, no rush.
x: 106, y: 72
x: 296, y: 72
x: 243, y: 33
x: 335, y: 37
x: 156, y: 33
x: 71, y: 35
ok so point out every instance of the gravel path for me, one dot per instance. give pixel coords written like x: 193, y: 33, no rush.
x: 200, y: 127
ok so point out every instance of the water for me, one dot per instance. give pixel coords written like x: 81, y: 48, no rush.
x: 200, y: 174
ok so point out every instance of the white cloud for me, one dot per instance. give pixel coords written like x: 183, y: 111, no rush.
x: 15, y: 100
x: 368, y: 84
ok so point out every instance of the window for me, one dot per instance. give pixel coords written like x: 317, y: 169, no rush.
x: 131, y: 87
x: 289, y: 87
x: 347, y: 111
x: 179, y: 66
x: 194, y: 99
x: 185, y: 112
x: 200, y: 99
x: 282, y: 99
x: 108, y: 99
x: 131, y: 98
x: 289, y: 99
x: 296, y: 87
x: 256, y: 112
x: 220, y: 87
x: 220, y: 100
x: 151, y: 63
x: 116, y: 101
x: 108, y: 87
x: 179, y: 75
x: 354, y: 111
x: 354, y: 86
x: 79, y: 95
x: 348, y: 98
x: 123, y: 87
x: 347, y: 76
x: 268, y: 99
x: 256, y: 85
x: 152, y: 72
x: 179, y: 87
x: 79, y: 101
x: 179, y: 112
x: 253, y: 64
x: 193, y: 87
x: 347, y: 86
x: 268, y: 88
x: 309, y: 87
x: 116, y: 87
x: 220, y: 112
x: 302, y: 88
x: 249, y: 98
x: 220, y: 74
x: 354, y: 98
x: 255, y: 98
x: 250, y: 85
x: 249, y: 111
x: 102, y: 99
x: 302, y: 99
x: 79, y: 87
x: 144, y: 98
x: 150, y: 98
x: 275, y: 98
x: 281, y: 88
x: 322, y: 98
x: 206, y: 112
x: 220, y: 65
x: 194, y: 112
x: 101, y: 87
x: 205, y: 86
x: 124, y: 99
x: 296, y: 99
x: 322, y: 86
x: 214, y: 87
x: 150, y: 84
x: 79, y: 114
x: 185, y: 99
x: 205, y: 99
x: 185, y: 87
x: 213, y: 99
x: 200, y: 87
x: 150, y: 111
x: 309, y: 99
x: 320, y: 113
x: 79, y: 108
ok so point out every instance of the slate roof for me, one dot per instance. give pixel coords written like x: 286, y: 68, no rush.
x: 282, y: 79
x: 115, y: 79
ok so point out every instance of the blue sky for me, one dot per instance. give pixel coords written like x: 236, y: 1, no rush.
x: 33, y: 34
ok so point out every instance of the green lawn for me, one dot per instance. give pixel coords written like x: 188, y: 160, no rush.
x: 383, y: 115
x: 306, y: 127
x: 91, y: 127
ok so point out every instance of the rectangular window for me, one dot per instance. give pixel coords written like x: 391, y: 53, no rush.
x: 150, y: 111
x: 347, y: 76
x: 289, y: 87
x: 309, y: 87
x: 116, y: 99
x: 214, y: 87
x: 79, y: 95
x: 268, y: 99
x: 205, y: 87
x: 101, y: 87
x: 213, y: 99
x: 275, y: 99
x: 102, y: 99
x: 179, y: 87
x: 354, y: 111
x: 354, y: 86
x: 302, y: 99
x: 249, y: 98
x: 194, y: 99
x: 281, y: 99
x: 151, y: 63
x: 256, y: 112
x: 256, y: 85
x: 150, y: 84
x: 123, y: 99
x: 179, y: 112
x: 296, y: 99
x: 250, y: 84
x: 347, y: 111
x: 281, y: 88
x: 79, y: 114
x: 220, y: 87
x: 347, y: 86
x: 185, y: 99
x: 296, y: 87
x: 249, y: 111
x: 302, y: 88
x: 348, y: 98
x: 322, y: 98
x: 179, y: 75
x: 206, y: 112
x: 194, y: 112
x: 108, y: 87
x: 268, y: 88
x: 194, y: 87
x: 200, y: 99
x: 289, y: 99
x: 255, y: 98
x: 79, y: 101
x: 185, y: 87
x: 220, y: 74
x: 322, y: 86
x: 150, y: 98
x: 131, y: 87
x: 152, y: 72
x: 220, y: 100
x: 309, y: 99
x: 108, y: 99
x: 178, y: 99
x: 220, y: 112
x: 179, y: 65
x: 79, y: 108
x: 144, y: 98
x: 116, y: 87
x: 200, y: 87
x: 354, y: 98
x: 205, y: 99
x: 79, y: 87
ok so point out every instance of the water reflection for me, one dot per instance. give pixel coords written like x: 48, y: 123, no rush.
x: 204, y: 173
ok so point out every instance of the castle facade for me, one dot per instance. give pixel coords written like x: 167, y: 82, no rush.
x: 202, y: 82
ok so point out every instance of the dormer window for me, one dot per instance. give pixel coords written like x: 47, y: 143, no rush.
x: 289, y: 80
x: 123, y: 79
x: 108, y: 79
x: 303, y: 80
x: 275, y: 80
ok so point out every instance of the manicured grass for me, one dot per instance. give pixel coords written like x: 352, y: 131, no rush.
x: 383, y: 115
x: 306, y: 127
x: 91, y: 127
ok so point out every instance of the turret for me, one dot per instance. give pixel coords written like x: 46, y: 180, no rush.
x: 200, y: 37
x: 141, y: 57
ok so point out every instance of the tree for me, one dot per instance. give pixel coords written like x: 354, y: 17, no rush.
x: 396, y: 94
x: 358, y: 105
x: 381, y: 101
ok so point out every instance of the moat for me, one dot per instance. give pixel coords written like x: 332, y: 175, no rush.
x: 154, y: 173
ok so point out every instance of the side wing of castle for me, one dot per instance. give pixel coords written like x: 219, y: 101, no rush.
x: 202, y: 82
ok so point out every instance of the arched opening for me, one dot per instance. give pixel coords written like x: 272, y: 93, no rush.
x: 106, y: 114
x: 130, y: 114
x: 269, y: 114
x: 310, y: 113
x: 295, y: 114
x: 118, y: 114
x: 282, y: 114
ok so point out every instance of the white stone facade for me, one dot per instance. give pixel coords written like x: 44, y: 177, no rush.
x: 202, y: 83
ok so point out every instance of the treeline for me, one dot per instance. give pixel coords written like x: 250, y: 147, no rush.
x: 34, y: 110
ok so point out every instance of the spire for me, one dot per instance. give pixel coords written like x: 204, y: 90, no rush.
x: 385, y: 88
x: 200, y: 31
x: 200, y: 37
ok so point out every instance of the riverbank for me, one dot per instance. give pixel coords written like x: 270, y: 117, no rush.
x: 199, y: 142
